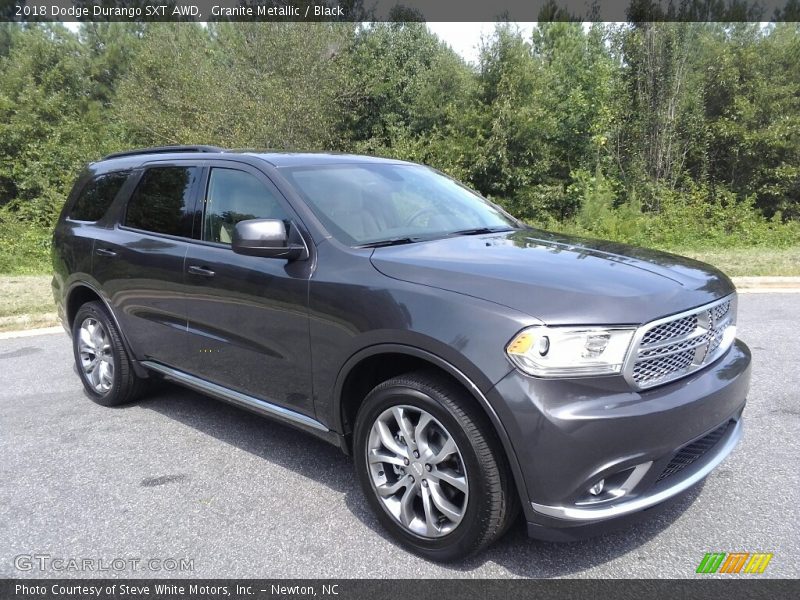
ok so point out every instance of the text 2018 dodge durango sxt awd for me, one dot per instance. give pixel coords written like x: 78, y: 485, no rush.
x: 469, y: 363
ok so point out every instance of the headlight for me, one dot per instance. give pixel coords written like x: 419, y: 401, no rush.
x: 570, y: 351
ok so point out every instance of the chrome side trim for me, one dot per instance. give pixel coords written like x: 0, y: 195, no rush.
x: 234, y: 397
x: 589, y: 515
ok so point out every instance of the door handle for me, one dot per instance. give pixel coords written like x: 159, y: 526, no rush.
x: 195, y: 270
x: 105, y: 252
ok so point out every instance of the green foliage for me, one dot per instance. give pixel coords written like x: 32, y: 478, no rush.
x: 49, y: 128
x: 599, y: 212
x: 674, y: 135
x: 259, y: 85
x: 46, y: 134
x: 404, y: 90
x: 24, y: 249
x: 694, y: 219
x: 753, y: 113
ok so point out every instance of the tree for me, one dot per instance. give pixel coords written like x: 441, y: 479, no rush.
x: 514, y: 127
x: 110, y: 47
x: 752, y: 113
x: 264, y: 85
x: 46, y: 129
x: 665, y: 99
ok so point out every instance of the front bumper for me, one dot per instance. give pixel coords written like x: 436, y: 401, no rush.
x: 657, y: 494
x: 569, y: 434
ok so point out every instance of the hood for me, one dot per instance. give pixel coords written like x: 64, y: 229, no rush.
x: 558, y: 279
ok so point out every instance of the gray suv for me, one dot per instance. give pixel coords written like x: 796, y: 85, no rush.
x: 470, y: 364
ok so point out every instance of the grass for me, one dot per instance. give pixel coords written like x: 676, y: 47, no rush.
x: 751, y: 261
x: 26, y: 301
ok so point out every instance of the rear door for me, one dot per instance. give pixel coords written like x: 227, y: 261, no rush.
x: 140, y: 261
x: 74, y: 236
x: 247, y: 315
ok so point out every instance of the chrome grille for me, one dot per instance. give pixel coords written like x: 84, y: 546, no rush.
x: 671, y: 330
x: 675, y: 346
x: 658, y: 368
x: 721, y: 310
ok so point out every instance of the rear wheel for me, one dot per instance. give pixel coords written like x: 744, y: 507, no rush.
x: 432, y: 468
x: 103, y: 363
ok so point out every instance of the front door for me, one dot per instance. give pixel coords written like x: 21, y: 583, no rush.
x: 247, y: 315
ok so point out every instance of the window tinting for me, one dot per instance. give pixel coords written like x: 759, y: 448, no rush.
x: 162, y: 201
x: 97, y: 196
x: 235, y: 196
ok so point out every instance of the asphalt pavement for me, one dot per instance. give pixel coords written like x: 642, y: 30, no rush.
x: 188, y: 486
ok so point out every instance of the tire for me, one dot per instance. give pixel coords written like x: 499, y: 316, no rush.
x: 471, y: 499
x: 112, y: 380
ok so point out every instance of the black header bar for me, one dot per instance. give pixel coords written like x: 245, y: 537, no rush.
x: 400, y: 10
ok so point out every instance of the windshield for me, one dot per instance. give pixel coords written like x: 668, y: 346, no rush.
x: 363, y: 204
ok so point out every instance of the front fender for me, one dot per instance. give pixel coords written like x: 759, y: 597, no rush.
x: 454, y: 371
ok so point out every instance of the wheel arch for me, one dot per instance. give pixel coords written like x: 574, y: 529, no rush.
x: 82, y: 292
x: 350, y: 390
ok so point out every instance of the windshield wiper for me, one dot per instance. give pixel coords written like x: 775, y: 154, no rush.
x: 398, y: 241
x: 390, y: 242
x: 480, y: 231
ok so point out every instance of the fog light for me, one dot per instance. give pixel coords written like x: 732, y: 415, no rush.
x: 597, y: 488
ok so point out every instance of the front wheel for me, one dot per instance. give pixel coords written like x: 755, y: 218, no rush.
x: 431, y: 467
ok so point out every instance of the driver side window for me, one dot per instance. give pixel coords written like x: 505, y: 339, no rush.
x: 235, y: 196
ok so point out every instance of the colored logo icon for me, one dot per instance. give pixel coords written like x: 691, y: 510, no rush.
x: 734, y: 562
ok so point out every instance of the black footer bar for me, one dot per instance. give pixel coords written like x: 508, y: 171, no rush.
x: 386, y: 589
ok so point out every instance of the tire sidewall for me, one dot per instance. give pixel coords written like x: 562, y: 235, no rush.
x: 462, y: 539
x: 92, y: 310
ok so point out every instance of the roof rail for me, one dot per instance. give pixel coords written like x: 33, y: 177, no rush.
x: 164, y: 149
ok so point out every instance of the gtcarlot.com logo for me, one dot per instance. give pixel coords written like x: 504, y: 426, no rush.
x: 734, y: 562
x: 60, y: 564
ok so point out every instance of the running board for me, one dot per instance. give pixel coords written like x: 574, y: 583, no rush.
x: 239, y: 399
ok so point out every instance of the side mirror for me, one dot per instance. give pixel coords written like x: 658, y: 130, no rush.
x: 267, y: 238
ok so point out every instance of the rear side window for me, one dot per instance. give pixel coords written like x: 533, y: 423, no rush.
x: 97, y: 196
x: 162, y: 202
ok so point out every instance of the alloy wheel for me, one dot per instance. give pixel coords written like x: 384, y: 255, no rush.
x: 417, y: 471
x: 97, y: 361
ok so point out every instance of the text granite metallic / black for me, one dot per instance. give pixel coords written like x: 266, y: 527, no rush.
x: 469, y: 363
